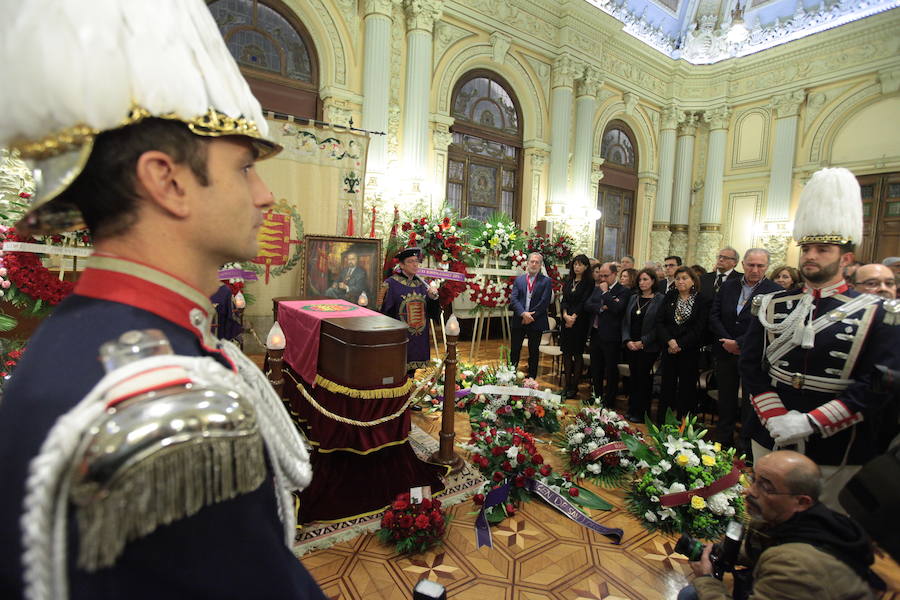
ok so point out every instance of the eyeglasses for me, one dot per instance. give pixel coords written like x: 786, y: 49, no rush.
x: 765, y: 486
x: 877, y: 283
x: 731, y: 258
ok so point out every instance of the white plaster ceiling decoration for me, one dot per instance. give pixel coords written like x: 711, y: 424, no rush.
x: 709, y: 31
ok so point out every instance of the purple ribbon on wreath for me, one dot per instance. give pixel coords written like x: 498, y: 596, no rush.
x: 499, y: 495
x: 459, y: 393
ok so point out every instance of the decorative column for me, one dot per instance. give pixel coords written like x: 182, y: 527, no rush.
x: 585, y: 107
x: 376, y: 70
x: 562, y: 77
x: 441, y: 139
x: 659, y: 236
x: 681, y: 195
x: 648, y: 184
x: 710, y: 238
x: 786, y: 109
x: 536, y: 157
x: 420, y: 18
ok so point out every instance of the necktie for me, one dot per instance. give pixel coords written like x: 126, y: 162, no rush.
x: 719, y: 281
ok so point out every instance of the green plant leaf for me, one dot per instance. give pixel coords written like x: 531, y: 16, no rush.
x: 639, y: 450
x: 589, y: 499
x: 7, y: 323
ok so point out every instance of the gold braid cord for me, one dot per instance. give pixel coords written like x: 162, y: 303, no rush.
x: 394, y: 392
x: 327, y: 413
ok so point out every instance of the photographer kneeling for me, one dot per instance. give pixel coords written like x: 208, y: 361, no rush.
x: 797, y: 547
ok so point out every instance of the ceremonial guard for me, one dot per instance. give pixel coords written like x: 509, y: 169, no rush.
x: 140, y: 456
x: 405, y: 296
x: 808, y: 358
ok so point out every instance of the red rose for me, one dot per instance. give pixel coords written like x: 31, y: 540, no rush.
x: 506, y: 466
x: 437, y: 519
x: 498, y: 476
x: 400, y: 505
x: 478, y: 499
x: 520, y: 481
x: 529, y: 472
x: 422, y: 522
x: 426, y: 504
x: 405, y: 521
x: 510, y: 509
x: 573, y: 491
x: 521, y: 457
x: 545, y: 470
x: 496, y: 450
x: 537, y: 459
x: 387, y: 521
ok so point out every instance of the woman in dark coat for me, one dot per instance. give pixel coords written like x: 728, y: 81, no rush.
x: 573, y: 330
x: 642, y: 343
x: 681, y: 323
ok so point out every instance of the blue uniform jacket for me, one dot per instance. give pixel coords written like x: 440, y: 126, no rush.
x: 849, y: 348
x: 233, y: 549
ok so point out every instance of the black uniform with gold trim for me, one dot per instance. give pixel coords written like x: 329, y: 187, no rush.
x: 828, y: 374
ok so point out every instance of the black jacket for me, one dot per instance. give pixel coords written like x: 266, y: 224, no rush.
x: 689, y: 334
x: 724, y: 320
x: 708, y: 282
x: 649, y: 329
x: 610, y: 305
x: 573, y: 301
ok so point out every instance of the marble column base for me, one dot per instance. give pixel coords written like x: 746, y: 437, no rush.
x: 659, y: 244
x: 708, y: 245
x: 678, y: 244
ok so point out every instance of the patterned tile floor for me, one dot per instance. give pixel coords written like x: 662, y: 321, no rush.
x: 538, y: 553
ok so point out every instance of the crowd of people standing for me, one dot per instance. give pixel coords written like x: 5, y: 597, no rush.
x: 676, y: 321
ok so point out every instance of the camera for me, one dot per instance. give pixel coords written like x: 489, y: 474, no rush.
x: 724, y: 553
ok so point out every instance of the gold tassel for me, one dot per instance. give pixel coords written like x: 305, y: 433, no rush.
x: 337, y: 388
x: 163, y: 488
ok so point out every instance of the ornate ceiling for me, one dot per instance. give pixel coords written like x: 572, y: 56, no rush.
x: 698, y: 30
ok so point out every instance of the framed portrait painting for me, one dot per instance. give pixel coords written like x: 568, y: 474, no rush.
x: 344, y: 268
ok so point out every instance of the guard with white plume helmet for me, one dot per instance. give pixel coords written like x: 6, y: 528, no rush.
x: 141, y: 456
x: 808, y: 359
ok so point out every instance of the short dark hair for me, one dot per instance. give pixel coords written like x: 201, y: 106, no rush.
x: 632, y: 276
x: 677, y: 259
x: 613, y: 267
x: 699, y: 270
x: 691, y: 273
x: 651, y: 273
x: 105, y: 192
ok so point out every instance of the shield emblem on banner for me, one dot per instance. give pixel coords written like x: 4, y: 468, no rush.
x: 275, y: 240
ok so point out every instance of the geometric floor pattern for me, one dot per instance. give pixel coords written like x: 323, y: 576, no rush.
x: 538, y: 554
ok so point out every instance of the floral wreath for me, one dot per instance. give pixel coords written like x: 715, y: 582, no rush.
x: 26, y: 282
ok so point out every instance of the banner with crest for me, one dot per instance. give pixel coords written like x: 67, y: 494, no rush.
x: 316, y: 179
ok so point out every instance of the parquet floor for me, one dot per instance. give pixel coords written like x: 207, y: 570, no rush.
x: 538, y: 553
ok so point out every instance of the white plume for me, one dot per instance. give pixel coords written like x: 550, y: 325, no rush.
x: 830, y: 204
x: 70, y: 62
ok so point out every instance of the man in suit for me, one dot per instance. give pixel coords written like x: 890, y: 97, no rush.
x: 711, y: 282
x: 529, y: 300
x: 671, y: 263
x: 606, y: 307
x: 728, y: 321
x: 350, y: 282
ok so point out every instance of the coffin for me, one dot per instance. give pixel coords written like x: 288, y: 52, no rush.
x: 363, y: 352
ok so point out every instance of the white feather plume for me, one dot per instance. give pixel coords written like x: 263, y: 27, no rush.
x: 88, y: 62
x: 830, y: 204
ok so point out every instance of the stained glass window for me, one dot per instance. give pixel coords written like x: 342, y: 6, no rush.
x: 617, y: 148
x: 260, y: 38
x: 485, y: 152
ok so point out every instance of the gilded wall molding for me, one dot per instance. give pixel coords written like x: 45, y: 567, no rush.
x: 445, y: 35
x: 763, y: 149
x: 481, y: 56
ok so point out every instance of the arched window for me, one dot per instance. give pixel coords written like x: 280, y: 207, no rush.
x: 483, y: 167
x: 615, y: 194
x: 275, y: 54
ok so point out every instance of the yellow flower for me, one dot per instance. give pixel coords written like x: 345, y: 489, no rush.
x: 512, y: 236
x: 743, y: 481
x: 698, y: 503
x: 708, y: 460
x: 682, y: 459
x: 717, y: 447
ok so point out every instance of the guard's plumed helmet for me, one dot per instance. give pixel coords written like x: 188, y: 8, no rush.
x: 830, y: 210
x: 73, y: 69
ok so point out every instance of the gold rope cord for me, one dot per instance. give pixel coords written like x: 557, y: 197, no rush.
x: 325, y: 412
x: 394, y: 392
